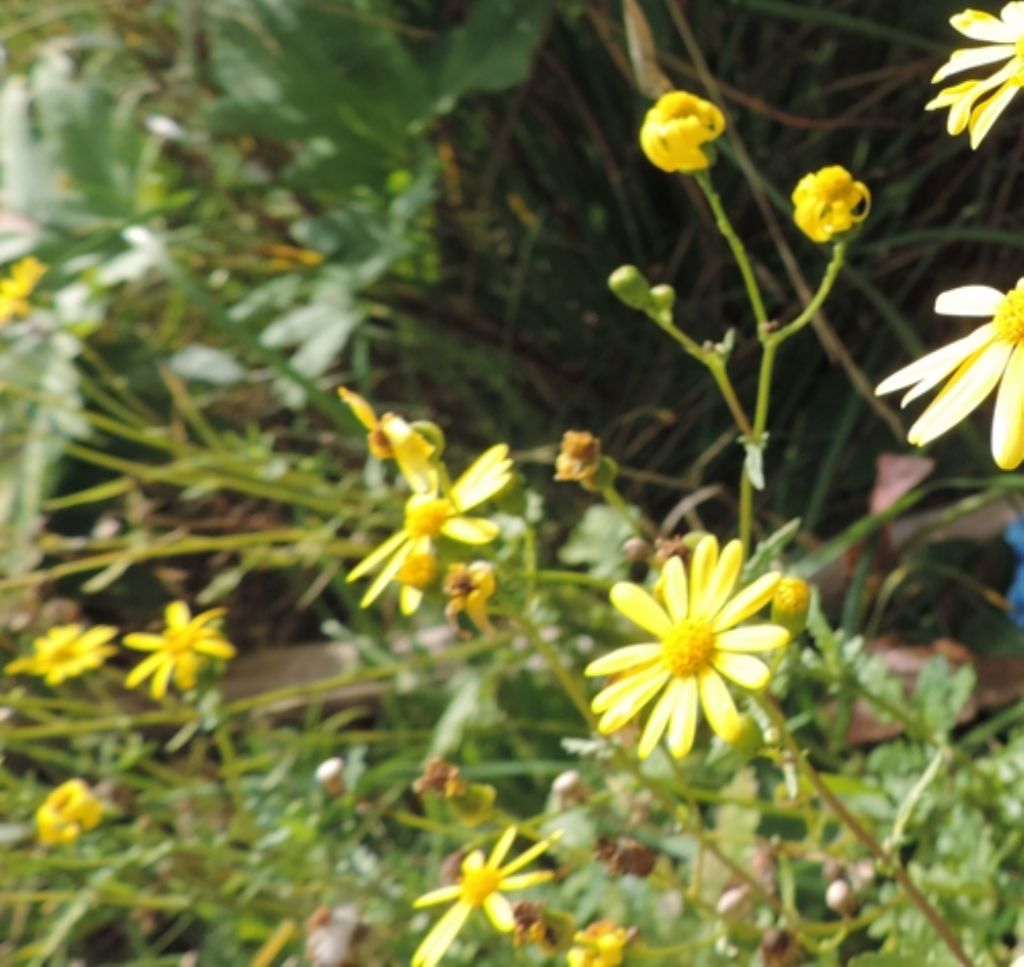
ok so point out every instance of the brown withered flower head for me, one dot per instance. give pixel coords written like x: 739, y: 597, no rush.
x: 579, y: 458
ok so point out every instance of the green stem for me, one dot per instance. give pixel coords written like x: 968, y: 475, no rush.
x: 739, y: 253
x: 860, y: 832
x: 770, y: 342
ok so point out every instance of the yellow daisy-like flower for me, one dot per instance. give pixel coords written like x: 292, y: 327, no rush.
x: 179, y: 649
x: 698, y: 643
x: 431, y: 514
x: 18, y: 286
x: 677, y: 128
x: 480, y: 885
x: 828, y: 202
x: 991, y: 355
x: 66, y: 651
x: 68, y: 811
x: 600, y: 945
x: 975, y: 105
x: 392, y: 438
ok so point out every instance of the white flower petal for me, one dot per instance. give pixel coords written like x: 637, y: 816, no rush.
x: 937, y: 365
x: 969, y: 300
x: 962, y: 60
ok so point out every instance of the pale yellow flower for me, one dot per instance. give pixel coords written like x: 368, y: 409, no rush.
x: 677, y: 129
x: 68, y: 811
x: 179, y: 649
x: 602, y: 944
x: 698, y: 643
x: 480, y: 885
x: 432, y: 514
x: 392, y: 438
x: 18, y: 286
x: 976, y: 104
x: 991, y: 356
x: 828, y: 202
x: 66, y: 651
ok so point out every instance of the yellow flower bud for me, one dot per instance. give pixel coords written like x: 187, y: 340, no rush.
x: 68, y: 811
x: 790, y: 604
x: 677, y: 129
x: 828, y: 203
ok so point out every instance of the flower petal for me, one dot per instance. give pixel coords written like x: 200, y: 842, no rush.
x: 501, y: 848
x: 143, y: 641
x: 747, y: 602
x: 386, y: 575
x: 622, y: 659
x: 177, y: 615
x: 674, y: 591
x: 376, y: 557
x: 935, y: 366
x: 723, y: 579
x: 637, y: 605
x: 745, y: 670
x: 702, y: 567
x: 409, y: 599
x: 523, y: 881
x: 965, y: 59
x: 441, y: 895
x: 683, y: 726
x: 436, y: 943
x: 657, y: 721
x: 489, y: 473
x: 752, y: 638
x: 1008, y: 418
x: 499, y: 912
x: 985, y: 115
x: 979, y: 25
x: 215, y: 648
x: 470, y: 530
x: 969, y: 300
x: 629, y: 706
x: 719, y: 706
x: 619, y: 689
x: 966, y: 389
x: 158, y: 687
x: 144, y: 669
x: 523, y: 859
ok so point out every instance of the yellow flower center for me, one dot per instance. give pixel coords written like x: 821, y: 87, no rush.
x: 1009, y: 317
x: 426, y: 518
x: 418, y: 570
x: 478, y: 885
x: 688, y: 648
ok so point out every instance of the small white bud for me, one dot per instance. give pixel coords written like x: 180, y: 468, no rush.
x: 733, y: 900
x: 839, y: 897
x: 569, y: 789
x: 330, y: 775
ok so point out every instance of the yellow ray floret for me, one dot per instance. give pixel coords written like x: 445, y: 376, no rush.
x: 432, y: 514
x: 972, y: 367
x: 697, y: 643
x: 974, y: 105
x: 481, y: 883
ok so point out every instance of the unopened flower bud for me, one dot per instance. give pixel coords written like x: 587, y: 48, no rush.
x: 330, y: 775
x: 569, y: 790
x: 733, y: 900
x: 474, y: 805
x: 663, y: 298
x: 840, y: 897
x: 790, y: 604
x: 749, y: 740
x: 629, y: 284
x: 636, y: 549
x: 861, y: 874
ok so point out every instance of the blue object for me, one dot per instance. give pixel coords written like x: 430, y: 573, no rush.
x: 1014, y: 536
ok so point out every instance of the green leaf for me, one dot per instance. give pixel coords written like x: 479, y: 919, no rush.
x: 753, y: 461
x: 769, y: 549
x: 596, y: 543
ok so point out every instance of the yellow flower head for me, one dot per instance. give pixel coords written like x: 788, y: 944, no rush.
x: 992, y: 355
x: 391, y: 438
x: 975, y: 105
x: 18, y: 286
x: 480, y: 884
x: 70, y: 810
x: 828, y: 202
x: 66, y: 651
x: 469, y: 588
x: 430, y: 515
x: 179, y: 649
x: 676, y: 129
x: 697, y: 644
x: 790, y: 604
x: 600, y: 945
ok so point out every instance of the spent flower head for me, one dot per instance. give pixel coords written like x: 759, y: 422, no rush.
x: 432, y: 514
x: 828, y: 202
x: 991, y: 356
x: 69, y: 810
x: 481, y: 883
x: 178, y: 650
x: 579, y: 458
x: 678, y: 132
x: 469, y: 587
x: 18, y: 286
x: 66, y: 651
x: 699, y: 641
x: 975, y: 105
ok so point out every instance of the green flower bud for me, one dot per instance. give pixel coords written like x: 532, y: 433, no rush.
x: 475, y: 804
x: 629, y: 284
x: 790, y: 605
x: 663, y: 298
x: 750, y: 739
